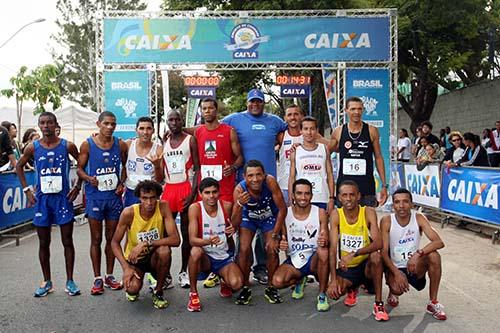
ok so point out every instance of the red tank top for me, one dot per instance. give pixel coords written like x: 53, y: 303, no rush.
x: 214, y: 150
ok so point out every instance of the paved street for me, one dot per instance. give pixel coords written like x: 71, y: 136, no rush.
x: 469, y: 291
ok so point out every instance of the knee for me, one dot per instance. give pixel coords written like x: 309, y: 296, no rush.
x: 135, y: 287
x: 395, y: 291
x: 278, y: 281
x: 163, y: 252
x: 434, y: 258
x: 44, y: 243
x: 67, y: 242
x: 244, y: 251
x: 236, y: 282
x: 376, y: 259
x: 96, y: 240
x: 196, y: 253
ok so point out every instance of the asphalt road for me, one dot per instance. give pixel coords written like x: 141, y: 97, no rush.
x: 470, y: 292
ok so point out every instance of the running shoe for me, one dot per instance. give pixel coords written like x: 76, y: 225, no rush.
x: 272, y: 295
x: 131, y: 297
x: 97, y: 287
x: 261, y: 277
x: 351, y: 299
x: 436, y: 309
x: 158, y: 301
x: 322, y: 304
x: 111, y: 283
x: 211, y: 281
x: 169, y: 282
x: 184, y: 280
x: 244, y: 297
x: 298, y: 290
x: 225, y: 290
x: 379, y: 312
x: 44, y: 289
x: 194, y: 304
x: 393, y: 300
x: 71, y: 288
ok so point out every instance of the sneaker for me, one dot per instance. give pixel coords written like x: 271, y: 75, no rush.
x: 272, y: 295
x: 225, y: 290
x: 184, y: 280
x: 298, y: 290
x: 111, y: 283
x: 131, y: 297
x: 244, y: 297
x: 436, y: 309
x: 260, y: 277
x: 351, y: 299
x: 44, y: 289
x: 379, y: 312
x: 311, y: 279
x: 322, y: 304
x: 194, y: 304
x: 97, y: 287
x: 211, y: 281
x: 393, y: 300
x: 158, y: 301
x: 71, y: 288
x: 169, y: 282
x: 151, y: 280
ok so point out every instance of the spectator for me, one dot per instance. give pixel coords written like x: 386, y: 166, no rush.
x: 421, y: 148
x: 447, y: 142
x: 416, y: 141
x: 12, y: 128
x: 495, y: 146
x: 29, y: 136
x: 404, y: 146
x: 427, y: 132
x: 6, y: 152
x: 431, y: 153
x: 457, y: 149
x: 442, y: 137
x: 475, y: 154
x: 486, y: 142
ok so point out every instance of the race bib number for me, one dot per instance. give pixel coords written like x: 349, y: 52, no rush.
x: 351, y: 243
x: 150, y: 235
x: 51, y: 184
x: 354, y: 167
x: 299, y: 259
x: 107, y: 182
x: 176, y: 164
x: 402, y: 254
x: 317, y: 184
x: 213, y: 171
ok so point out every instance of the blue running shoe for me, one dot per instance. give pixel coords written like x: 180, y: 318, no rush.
x: 71, y: 288
x: 44, y: 289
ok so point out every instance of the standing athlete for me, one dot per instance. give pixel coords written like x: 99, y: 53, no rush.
x: 151, y: 233
x: 306, y: 244
x: 180, y: 154
x: 53, y: 198
x: 210, y: 235
x: 406, y: 263
x: 101, y: 165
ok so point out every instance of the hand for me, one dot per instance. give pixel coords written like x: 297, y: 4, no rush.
x: 227, y: 170
x: 334, y: 289
x: 294, y: 147
x: 229, y: 231
x: 411, y: 266
x: 93, y: 181
x: 155, y: 159
x: 322, y: 239
x: 244, y: 198
x: 383, y: 196
x: 73, y: 194
x: 31, y: 198
x: 215, y: 240
x: 401, y: 281
x: 283, y: 245
x: 133, y: 257
x: 345, y: 260
x: 119, y: 189
x: 128, y: 273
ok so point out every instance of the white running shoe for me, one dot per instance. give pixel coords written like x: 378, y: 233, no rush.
x: 184, y: 280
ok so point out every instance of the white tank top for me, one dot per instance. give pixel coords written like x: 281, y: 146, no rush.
x: 139, y: 167
x: 214, y: 226
x: 302, y: 236
x: 311, y: 166
x: 177, y: 161
x: 284, y: 158
x: 404, y: 241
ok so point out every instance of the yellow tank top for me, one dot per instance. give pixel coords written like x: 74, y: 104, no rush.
x: 353, y: 237
x: 143, y: 230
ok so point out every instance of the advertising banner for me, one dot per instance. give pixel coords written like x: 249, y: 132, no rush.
x: 126, y: 94
x: 471, y: 192
x: 330, y: 87
x: 397, y: 179
x: 192, y: 112
x: 235, y: 40
x: 201, y: 92
x: 424, y: 185
x: 291, y: 91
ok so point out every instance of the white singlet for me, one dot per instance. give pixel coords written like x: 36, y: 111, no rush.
x: 311, y: 166
x: 177, y: 161
x: 302, y: 236
x: 404, y: 241
x: 284, y: 158
x: 139, y: 168
x: 210, y: 226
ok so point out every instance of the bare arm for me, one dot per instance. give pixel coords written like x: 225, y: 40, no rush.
x: 331, y: 182
x: 236, y: 148
x: 273, y: 186
x: 124, y: 223
x: 379, y: 162
x: 83, y: 159
x: 194, y: 216
x: 27, y: 155
x: 385, y: 229
x: 376, y: 244
x: 292, y: 174
x: 435, y: 240
x: 333, y: 145
x: 73, y: 193
x: 124, y: 157
x: 173, y: 239
x: 237, y: 208
x: 334, y: 244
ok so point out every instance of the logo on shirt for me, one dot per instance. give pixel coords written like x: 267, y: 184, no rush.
x: 258, y: 127
x: 363, y: 144
x: 50, y: 153
x: 131, y: 165
x: 348, y: 145
x: 210, y: 149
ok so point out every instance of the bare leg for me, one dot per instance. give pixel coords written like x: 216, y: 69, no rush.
x: 272, y: 259
x: 110, y: 257
x: 374, y: 271
x: 160, y: 261
x: 95, y: 245
x: 185, y: 247
x: 44, y: 250
x: 69, y: 248
x: 434, y: 262
x: 246, y: 237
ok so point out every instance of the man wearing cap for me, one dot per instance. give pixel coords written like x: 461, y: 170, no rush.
x: 257, y: 132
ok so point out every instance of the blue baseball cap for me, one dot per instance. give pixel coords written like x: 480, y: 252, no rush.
x: 255, y: 94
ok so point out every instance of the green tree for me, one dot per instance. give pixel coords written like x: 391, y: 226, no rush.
x: 77, y: 39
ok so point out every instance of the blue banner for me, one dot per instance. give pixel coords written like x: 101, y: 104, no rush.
x: 291, y: 91
x: 471, y: 192
x: 14, y: 200
x: 201, y: 92
x: 397, y: 179
x: 330, y: 87
x: 126, y: 94
x: 373, y: 87
x: 227, y: 40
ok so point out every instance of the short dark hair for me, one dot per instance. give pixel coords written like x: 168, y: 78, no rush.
x: 426, y: 123
x: 208, y: 182
x: 8, y: 124
x: 402, y: 190
x: 148, y: 186
x: 405, y: 131
x: 301, y: 181
x: 253, y: 164
x: 348, y: 182
x: 310, y: 119
x: 144, y: 120
x: 48, y: 114
x: 104, y: 114
x: 294, y: 106
x: 210, y: 99
x: 472, y: 137
x: 353, y: 99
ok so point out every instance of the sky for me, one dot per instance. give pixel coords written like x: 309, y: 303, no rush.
x: 31, y: 46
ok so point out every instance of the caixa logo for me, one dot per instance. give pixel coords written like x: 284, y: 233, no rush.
x: 473, y: 193
x: 245, y: 39
x: 425, y: 185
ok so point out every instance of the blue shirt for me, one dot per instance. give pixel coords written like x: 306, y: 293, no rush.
x: 262, y: 209
x: 52, y: 169
x: 257, y: 136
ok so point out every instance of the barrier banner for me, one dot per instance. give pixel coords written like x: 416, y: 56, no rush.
x: 397, y: 179
x: 14, y: 201
x: 471, y: 192
x: 424, y: 185
x: 126, y: 94
x: 235, y: 40
x: 372, y: 85
x: 330, y: 87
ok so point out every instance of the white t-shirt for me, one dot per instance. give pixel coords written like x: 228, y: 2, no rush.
x: 406, y: 153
